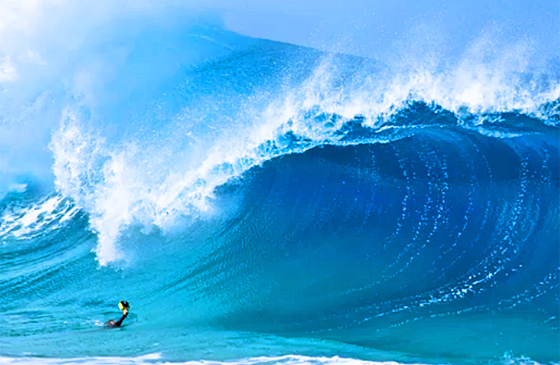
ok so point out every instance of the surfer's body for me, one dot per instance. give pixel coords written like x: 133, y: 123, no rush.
x: 124, y: 307
x: 113, y: 324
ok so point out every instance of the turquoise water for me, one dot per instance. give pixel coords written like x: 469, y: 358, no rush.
x: 262, y: 203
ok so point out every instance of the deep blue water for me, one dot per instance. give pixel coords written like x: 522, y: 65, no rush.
x: 258, y: 202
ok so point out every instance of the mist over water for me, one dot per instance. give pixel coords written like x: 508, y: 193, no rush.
x: 264, y: 202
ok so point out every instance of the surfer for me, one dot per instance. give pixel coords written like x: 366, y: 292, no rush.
x: 123, y: 306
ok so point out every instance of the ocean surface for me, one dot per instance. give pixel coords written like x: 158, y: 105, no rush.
x: 262, y: 203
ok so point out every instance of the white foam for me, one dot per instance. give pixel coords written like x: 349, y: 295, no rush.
x: 264, y: 360
x: 152, y: 359
x: 146, y: 359
x: 27, y: 222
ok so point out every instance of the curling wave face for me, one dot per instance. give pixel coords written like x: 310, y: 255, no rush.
x: 216, y: 123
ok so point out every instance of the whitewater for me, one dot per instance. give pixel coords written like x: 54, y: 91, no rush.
x: 259, y: 202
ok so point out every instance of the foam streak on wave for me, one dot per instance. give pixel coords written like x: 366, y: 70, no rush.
x: 30, y: 221
x: 152, y: 359
x: 280, y: 360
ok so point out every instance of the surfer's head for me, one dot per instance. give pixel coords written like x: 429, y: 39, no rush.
x: 123, y: 305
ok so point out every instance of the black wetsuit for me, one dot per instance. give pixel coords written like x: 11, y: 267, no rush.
x: 117, y: 323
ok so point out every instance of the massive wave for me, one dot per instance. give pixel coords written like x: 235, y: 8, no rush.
x: 254, y: 198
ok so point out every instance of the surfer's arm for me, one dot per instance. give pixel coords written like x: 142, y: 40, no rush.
x: 120, y: 321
